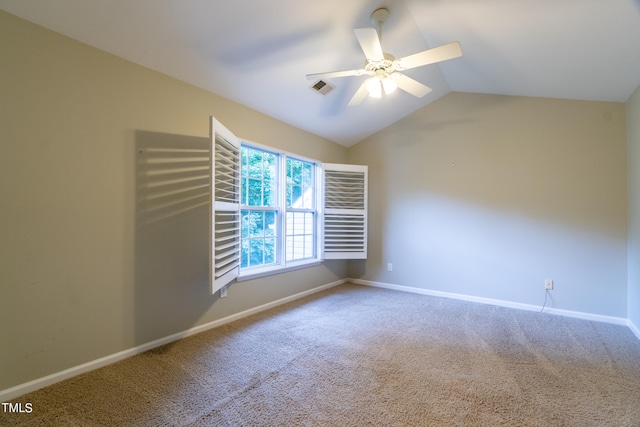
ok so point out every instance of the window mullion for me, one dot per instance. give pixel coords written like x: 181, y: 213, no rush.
x: 282, y: 204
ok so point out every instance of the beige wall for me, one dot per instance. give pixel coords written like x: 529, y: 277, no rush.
x: 82, y: 276
x: 633, y: 129
x: 488, y: 196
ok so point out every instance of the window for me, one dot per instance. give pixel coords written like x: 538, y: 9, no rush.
x: 278, y: 208
x: 272, y: 211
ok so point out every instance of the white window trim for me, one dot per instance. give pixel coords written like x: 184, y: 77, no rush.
x: 282, y: 265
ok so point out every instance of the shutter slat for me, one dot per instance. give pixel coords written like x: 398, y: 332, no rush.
x: 221, y: 272
x: 231, y: 153
x: 227, y: 245
x: 227, y: 253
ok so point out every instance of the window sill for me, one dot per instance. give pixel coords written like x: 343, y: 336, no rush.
x: 268, y: 271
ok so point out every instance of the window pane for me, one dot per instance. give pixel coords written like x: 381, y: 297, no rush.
x: 256, y: 247
x: 270, y: 224
x: 254, y: 192
x: 245, y: 160
x: 269, y: 251
x: 289, y: 247
x: 289, y: 221
x: 245, y: 224
x: 296, y: 195
x: 300, y: 191
x: 256, y: 224
x: 300, y: 239
x: 259, y: 237
x: 270, y: 194
x: 307, y: 175
x: 308, y: 246
x: 298, y: 223
x: 298, y: 247
x: 259, y: 184
x: 296, y: 171
x: 269, y: 165
x: 244, y: 254
x: 254, y: 165
x: 243, y: 191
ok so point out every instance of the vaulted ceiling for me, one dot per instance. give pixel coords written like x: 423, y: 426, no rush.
x: 257, y: 53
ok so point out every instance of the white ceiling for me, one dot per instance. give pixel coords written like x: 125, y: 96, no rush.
x: 257, y: 53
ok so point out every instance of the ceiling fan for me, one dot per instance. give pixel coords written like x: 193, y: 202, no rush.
x: 384, y: 68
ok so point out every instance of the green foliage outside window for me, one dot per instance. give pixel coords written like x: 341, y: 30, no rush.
x: 258, y: 238
x: 299, y: 181
x: 259, y: 178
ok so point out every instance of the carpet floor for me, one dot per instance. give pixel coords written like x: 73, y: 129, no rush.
x: 356, y: 356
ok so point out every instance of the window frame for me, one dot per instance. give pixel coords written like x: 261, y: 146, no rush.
x: 281, y: 263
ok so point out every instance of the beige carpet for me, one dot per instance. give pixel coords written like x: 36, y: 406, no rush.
x: 356, y: 355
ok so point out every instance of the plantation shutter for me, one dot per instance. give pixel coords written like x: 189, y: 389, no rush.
x: 224, y: 210
x: 345, y: 212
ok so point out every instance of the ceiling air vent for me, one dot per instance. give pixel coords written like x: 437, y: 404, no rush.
x: 322, y: 87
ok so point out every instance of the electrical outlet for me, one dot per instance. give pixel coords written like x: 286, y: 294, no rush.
x: 548, y: 284
x: 389, y: 267
x: 223, y: 292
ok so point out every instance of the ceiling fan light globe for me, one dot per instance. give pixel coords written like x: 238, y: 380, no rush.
x: 389, y: 86
x: 374, y: 87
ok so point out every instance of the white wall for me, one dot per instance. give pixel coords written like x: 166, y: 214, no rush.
x: 488, y: 196
x: 83, y: 272
x: 633, y: 130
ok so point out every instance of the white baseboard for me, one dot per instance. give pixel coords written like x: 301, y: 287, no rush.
x: 19, y: 390
x: 633, y: 328
x: 501, y: 303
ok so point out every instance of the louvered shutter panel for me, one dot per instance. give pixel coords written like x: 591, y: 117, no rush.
x: 224, y: 220
x: 344, y: 212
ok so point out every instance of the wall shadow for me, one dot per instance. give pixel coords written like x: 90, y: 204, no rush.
x: 171, y: 290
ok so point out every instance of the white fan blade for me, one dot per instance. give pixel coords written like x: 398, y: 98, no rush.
x: 332, y: 74
x: 430, y: 56
x: 360, y: 94
x: 370, y: 44
x: 407, y: 84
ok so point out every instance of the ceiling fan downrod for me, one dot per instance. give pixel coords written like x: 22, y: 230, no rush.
x: 378, y: 17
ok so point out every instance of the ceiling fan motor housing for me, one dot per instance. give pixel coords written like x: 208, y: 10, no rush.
x: 387, y: 64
